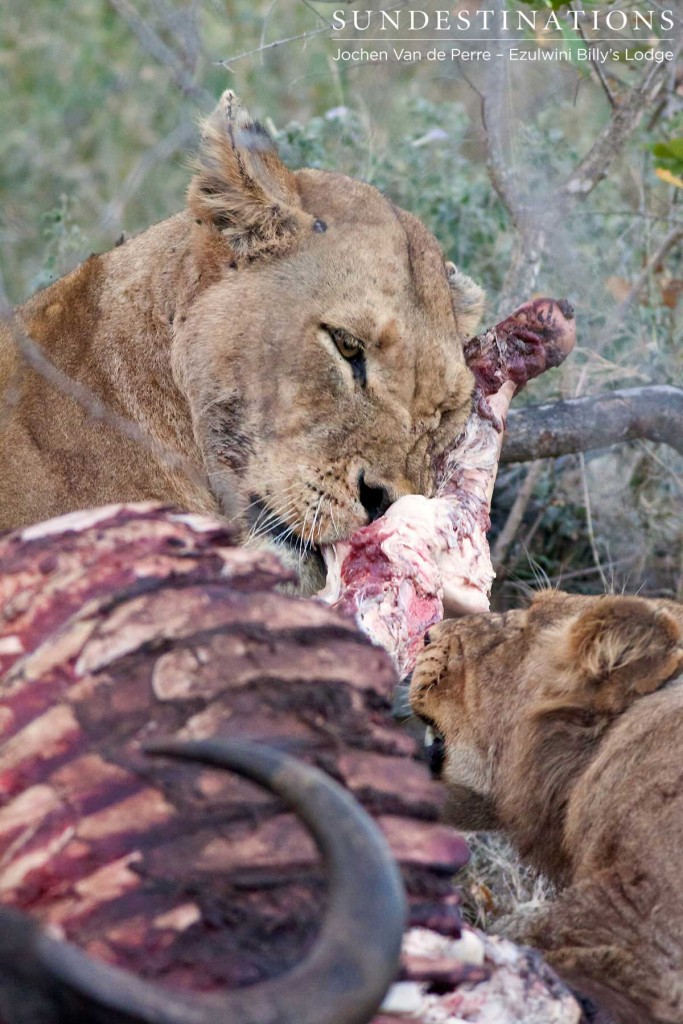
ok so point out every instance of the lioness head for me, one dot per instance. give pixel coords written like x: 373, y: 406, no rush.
x: 323, y: 364
x: 519, y: 700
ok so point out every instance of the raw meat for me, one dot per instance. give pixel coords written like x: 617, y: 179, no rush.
x: 518, y: 987
x: 427, y: 556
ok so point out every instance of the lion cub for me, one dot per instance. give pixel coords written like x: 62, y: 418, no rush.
x: 562, y: 726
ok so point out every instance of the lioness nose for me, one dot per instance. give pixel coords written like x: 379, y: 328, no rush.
x: 375, y: 500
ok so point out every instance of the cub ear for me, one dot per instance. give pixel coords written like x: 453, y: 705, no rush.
x: 242, y: 187
x: 624, y: 647
x: 468, y: 300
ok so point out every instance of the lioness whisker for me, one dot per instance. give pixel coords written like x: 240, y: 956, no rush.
x: 302, y: 542
x: 333, y: 519
x: 318, y: 508
x: 264, y: 522
x: 292, y: 492
x: 270, y: 518
x: 284, y: 537
x: 262, y: 516
x: 243, y: 512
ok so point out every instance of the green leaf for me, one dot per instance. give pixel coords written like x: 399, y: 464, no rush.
x: 669, y: 155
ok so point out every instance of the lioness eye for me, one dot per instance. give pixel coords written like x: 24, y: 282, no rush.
x: 350, y: 348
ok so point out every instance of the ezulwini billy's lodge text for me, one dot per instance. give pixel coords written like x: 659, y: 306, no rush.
x: 541, y: 55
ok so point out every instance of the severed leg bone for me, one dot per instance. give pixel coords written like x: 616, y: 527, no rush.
x: 427, y: 556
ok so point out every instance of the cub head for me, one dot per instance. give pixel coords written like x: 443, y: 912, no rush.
x: 323, y: 359
x: 527, y: 692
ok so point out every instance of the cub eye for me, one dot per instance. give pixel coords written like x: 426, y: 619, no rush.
x: 351, y: 348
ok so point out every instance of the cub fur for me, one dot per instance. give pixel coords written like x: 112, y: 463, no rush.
x: 562, y: 726
x: 292, y: 335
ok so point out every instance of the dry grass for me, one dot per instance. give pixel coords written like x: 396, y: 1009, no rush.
x: 495, y: 883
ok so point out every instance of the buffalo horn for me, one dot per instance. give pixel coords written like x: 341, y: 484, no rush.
x: 341, y: 981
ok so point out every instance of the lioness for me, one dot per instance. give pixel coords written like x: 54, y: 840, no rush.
x: 293, y: 335
x: 563, y: 726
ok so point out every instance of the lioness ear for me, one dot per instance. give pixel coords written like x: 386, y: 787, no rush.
x: 242, y: 187
x: 624, y: 647
x: 468, y: 300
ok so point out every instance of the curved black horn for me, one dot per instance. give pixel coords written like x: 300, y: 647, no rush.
x: 341, y: 981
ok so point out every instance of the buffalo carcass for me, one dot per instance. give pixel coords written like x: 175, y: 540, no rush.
x: 129, y: 625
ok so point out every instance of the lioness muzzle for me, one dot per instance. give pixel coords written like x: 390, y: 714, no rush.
x: 341, y: 981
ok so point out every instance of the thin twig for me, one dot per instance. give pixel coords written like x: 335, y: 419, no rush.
x: 530, y: 241
x: 516, y: 514
x: 495, y: 123
x: 266, y: 19
x: 668, y: 243
x: 183, y: 23
x: 589, y: 522
x: 157, y: 48
x: 227, y: 61
x: 595, y: 65
x: 178, y: 139
x: 525, y: 543
x: 322, y: 17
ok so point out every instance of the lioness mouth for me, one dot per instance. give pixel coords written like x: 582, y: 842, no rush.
x: 264, y: 522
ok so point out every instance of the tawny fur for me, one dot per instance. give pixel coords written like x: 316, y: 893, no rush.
x: 563, y: 727
x: 206, y: 332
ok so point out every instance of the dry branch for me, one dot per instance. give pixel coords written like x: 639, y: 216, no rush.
x: 157, y: 48
x: 161, y: 151
x: 513, y: 522
x: 616, y: 133
x: 528, y: 214
x: 599, y: 421
x: 228, y: 61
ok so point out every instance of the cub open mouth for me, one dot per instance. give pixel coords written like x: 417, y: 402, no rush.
x: 435, y: 748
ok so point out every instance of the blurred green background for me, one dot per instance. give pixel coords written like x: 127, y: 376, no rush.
x: 99, y: 106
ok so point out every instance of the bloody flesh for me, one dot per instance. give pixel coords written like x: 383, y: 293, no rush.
x: 426, y: 556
